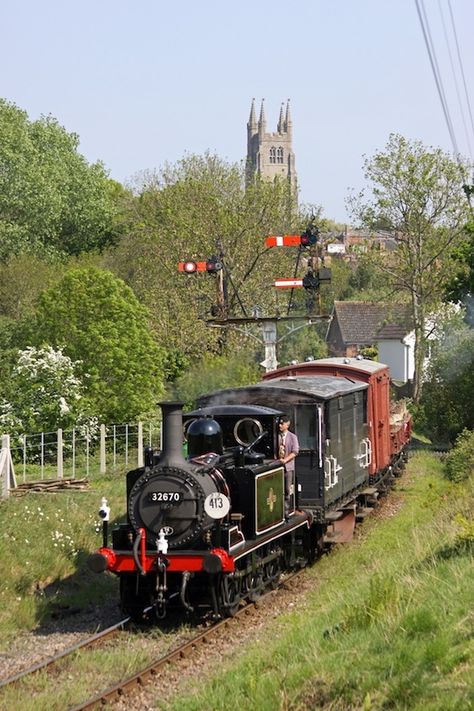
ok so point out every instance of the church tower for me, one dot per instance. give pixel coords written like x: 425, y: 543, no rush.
x: 270, y: 154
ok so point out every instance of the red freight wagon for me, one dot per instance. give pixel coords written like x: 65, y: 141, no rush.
x: 389, y: 426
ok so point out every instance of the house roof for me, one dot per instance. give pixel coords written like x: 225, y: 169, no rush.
x: 363, y: 322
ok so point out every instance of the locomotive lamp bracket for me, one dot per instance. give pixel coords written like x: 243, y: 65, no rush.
x: 104, y: 513
x: 162, y: 543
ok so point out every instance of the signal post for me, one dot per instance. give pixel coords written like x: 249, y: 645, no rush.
x: 316, y: 275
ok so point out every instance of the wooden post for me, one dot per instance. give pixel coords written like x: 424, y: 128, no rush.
x: 140, y: 445
x: 7, y: 470
x: 103, y: 465
x: 60, y: 468
x: 126, y: 445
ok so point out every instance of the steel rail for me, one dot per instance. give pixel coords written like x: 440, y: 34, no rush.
x: 99, y: 636
x: 140, y: 678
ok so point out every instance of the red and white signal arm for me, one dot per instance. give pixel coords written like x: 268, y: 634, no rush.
x: 288, y: 283
x: 191, y: 267
x: 283, y: 241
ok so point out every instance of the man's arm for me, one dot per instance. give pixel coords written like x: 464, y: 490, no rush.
x: 295, y: 448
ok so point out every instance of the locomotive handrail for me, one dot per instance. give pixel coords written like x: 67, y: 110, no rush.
x: 136, y: 545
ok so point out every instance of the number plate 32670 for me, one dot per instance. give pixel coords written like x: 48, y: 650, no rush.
x: 164, y: 496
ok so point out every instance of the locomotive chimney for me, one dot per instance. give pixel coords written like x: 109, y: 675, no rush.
x: 172, y: 452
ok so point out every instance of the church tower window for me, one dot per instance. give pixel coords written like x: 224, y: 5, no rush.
x: 280, y: 155
x: 272, y: 154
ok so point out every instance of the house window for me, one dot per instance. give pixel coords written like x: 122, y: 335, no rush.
x: 272, y: 154
x: 280, y: 155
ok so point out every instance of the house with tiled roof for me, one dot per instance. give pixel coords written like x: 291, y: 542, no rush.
x: 356, y: 325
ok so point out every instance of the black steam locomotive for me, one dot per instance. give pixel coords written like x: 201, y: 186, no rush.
x: 213, y: 528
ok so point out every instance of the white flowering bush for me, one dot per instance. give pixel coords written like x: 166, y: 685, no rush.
x: 45, y: 393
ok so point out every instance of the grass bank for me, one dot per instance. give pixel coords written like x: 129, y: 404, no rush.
x: 389, y: 623
x: 45, y: 540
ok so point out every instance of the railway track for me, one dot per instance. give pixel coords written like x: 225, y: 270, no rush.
x: 138, y: 679
x: 99, y: 637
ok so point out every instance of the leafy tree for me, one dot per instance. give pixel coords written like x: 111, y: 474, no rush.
x: 192, y: 210
x: 367, y: 282
x: 303, y: 344
x: 45, y: 393
x: 449, y: 389
x: 417, y: 193
x: 22, y: 279
x: 51, y: 200
x: 461, y: 286
x: 96, y: 319
x: 214, y: 372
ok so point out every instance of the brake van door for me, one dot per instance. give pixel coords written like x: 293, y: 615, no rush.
x: 309, y: 465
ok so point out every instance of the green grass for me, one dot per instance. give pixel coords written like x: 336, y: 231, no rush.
x: 45, y: 540
x: 389, y: 624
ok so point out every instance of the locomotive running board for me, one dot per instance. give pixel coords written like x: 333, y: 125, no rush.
x: 342, y: 529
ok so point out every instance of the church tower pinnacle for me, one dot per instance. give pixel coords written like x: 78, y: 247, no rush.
x: 262, y: 121
x: 281, y: 125
x: 270, y: 155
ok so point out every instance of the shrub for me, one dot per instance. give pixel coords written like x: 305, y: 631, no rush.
x: 465, y: 533
x: 460, y: 460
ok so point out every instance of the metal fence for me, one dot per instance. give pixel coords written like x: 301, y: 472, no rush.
x: 74, y: 453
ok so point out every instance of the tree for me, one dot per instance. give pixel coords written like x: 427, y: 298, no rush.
x: 97, y: 320
x: 461, y: 286
x: 303, y: 344
x: 192, y: 210
x: 417, y: 193
x: 214, y: 372
x: 22, y: 279
x: 45, y: 393
x: 449, y: 389
x: 51, y: 200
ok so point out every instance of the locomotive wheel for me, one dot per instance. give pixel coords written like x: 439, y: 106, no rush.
x: 253, y: 585
x: 231, y: 595
x: 272, y: 573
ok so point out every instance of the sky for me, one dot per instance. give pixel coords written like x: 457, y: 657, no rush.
x: 146, y: 82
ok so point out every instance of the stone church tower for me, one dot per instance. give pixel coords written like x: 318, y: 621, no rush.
x: 270, y: 154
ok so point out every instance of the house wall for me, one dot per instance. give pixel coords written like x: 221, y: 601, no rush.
x: 396, y: 354
x: 409, y: 342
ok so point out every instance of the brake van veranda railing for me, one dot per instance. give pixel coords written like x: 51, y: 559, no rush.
x: 73, y: 453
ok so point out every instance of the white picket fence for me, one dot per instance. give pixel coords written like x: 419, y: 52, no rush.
x: 72, y: 453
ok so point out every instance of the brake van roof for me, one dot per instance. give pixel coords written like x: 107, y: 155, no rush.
x: 314, y: 387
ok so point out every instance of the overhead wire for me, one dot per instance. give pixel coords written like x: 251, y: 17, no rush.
x: 456, y: 84
x: 461, y: 65
x: 436, y: 73
x: 468, y: 189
